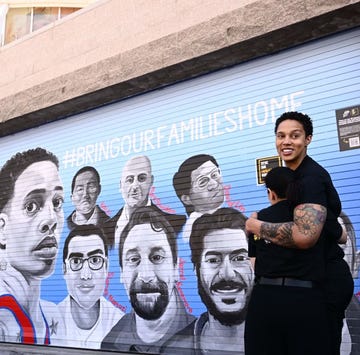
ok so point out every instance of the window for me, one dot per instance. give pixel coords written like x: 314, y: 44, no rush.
x: 21, y: 21
x: 18, y: 23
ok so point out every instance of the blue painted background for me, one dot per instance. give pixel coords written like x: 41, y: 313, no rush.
x: 236, y: 109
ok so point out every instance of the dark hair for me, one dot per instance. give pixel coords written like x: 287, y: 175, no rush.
x: 305, y: 120
x: 158, y: 223
x: 84, y: 230
x: 182, y: 178
x: 222, y: 218
x: 16, y: 165
x: 82, y: 170
x: 283, y: 182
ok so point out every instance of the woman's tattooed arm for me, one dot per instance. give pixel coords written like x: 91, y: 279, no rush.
x: 302, y: 233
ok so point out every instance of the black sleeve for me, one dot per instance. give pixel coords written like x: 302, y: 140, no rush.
x: 332, y: 227
x: 252, y: 246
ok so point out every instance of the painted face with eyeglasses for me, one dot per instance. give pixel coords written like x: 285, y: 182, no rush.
x: 207, y: 191
x: 86, y: 269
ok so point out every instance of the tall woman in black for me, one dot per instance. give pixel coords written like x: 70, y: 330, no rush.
x: 286, y: 314
x: 314, y: 227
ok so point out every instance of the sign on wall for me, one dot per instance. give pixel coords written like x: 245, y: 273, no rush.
x: 348, y: 125
x: 264, y: 165
x: 172, y: 150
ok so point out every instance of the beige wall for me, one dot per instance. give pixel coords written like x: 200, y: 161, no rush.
x: 64, y: 3
x: 114, y: 49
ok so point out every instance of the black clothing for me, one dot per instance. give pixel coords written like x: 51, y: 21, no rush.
x: 177, y: 221
x: 103, y: 217
x: 285, y: 320
x: 322, y: 263
x: 317, y: 187
x: 285, y: 281
x: 338, y: 289
x: 338, y: 284
x: 276, y: 261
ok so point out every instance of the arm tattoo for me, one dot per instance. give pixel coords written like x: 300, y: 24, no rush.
x: 278, y: 233
x: 308, y: 218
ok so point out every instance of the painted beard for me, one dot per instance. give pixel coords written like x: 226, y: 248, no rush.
x: 149, y: 300
x: 225, y: 318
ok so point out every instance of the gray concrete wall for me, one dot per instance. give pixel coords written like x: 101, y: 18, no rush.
x: 115, y: 49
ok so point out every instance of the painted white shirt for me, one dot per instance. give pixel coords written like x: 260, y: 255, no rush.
x: 79, y: 219
x: 186, y: 232
x: 345, y: 348
x: 89, y: 338
x: 44, y: 315
x: 122, y: 222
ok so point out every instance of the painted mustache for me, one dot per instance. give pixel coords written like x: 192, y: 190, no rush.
x: 227, y: 286
x: 143, y: 287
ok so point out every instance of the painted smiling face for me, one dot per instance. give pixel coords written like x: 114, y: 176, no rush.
x: 148, y: 273
x: 225, y: 275
x: 34, y: 219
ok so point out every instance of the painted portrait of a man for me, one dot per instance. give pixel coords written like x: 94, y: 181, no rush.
x: 199, y: 186
x: 135, y: 184
x: 149, y: 271
x: 88, y: 316
x: 85, y: 190
x: 31, y: 221
x: 219, y: 252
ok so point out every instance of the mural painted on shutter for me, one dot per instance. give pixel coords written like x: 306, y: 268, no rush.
x: 179, y: 152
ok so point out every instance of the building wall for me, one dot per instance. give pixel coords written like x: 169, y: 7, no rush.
x: 222, y: 113
x: 94, y: 57
x: 228, y: 114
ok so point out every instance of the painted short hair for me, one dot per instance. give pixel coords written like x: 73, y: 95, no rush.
x: 84, y: 230
x: 182, y: 178
x: 15, y: 166
x: 223, y: 218
x: 158, y: 223
x: 82, y: 170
